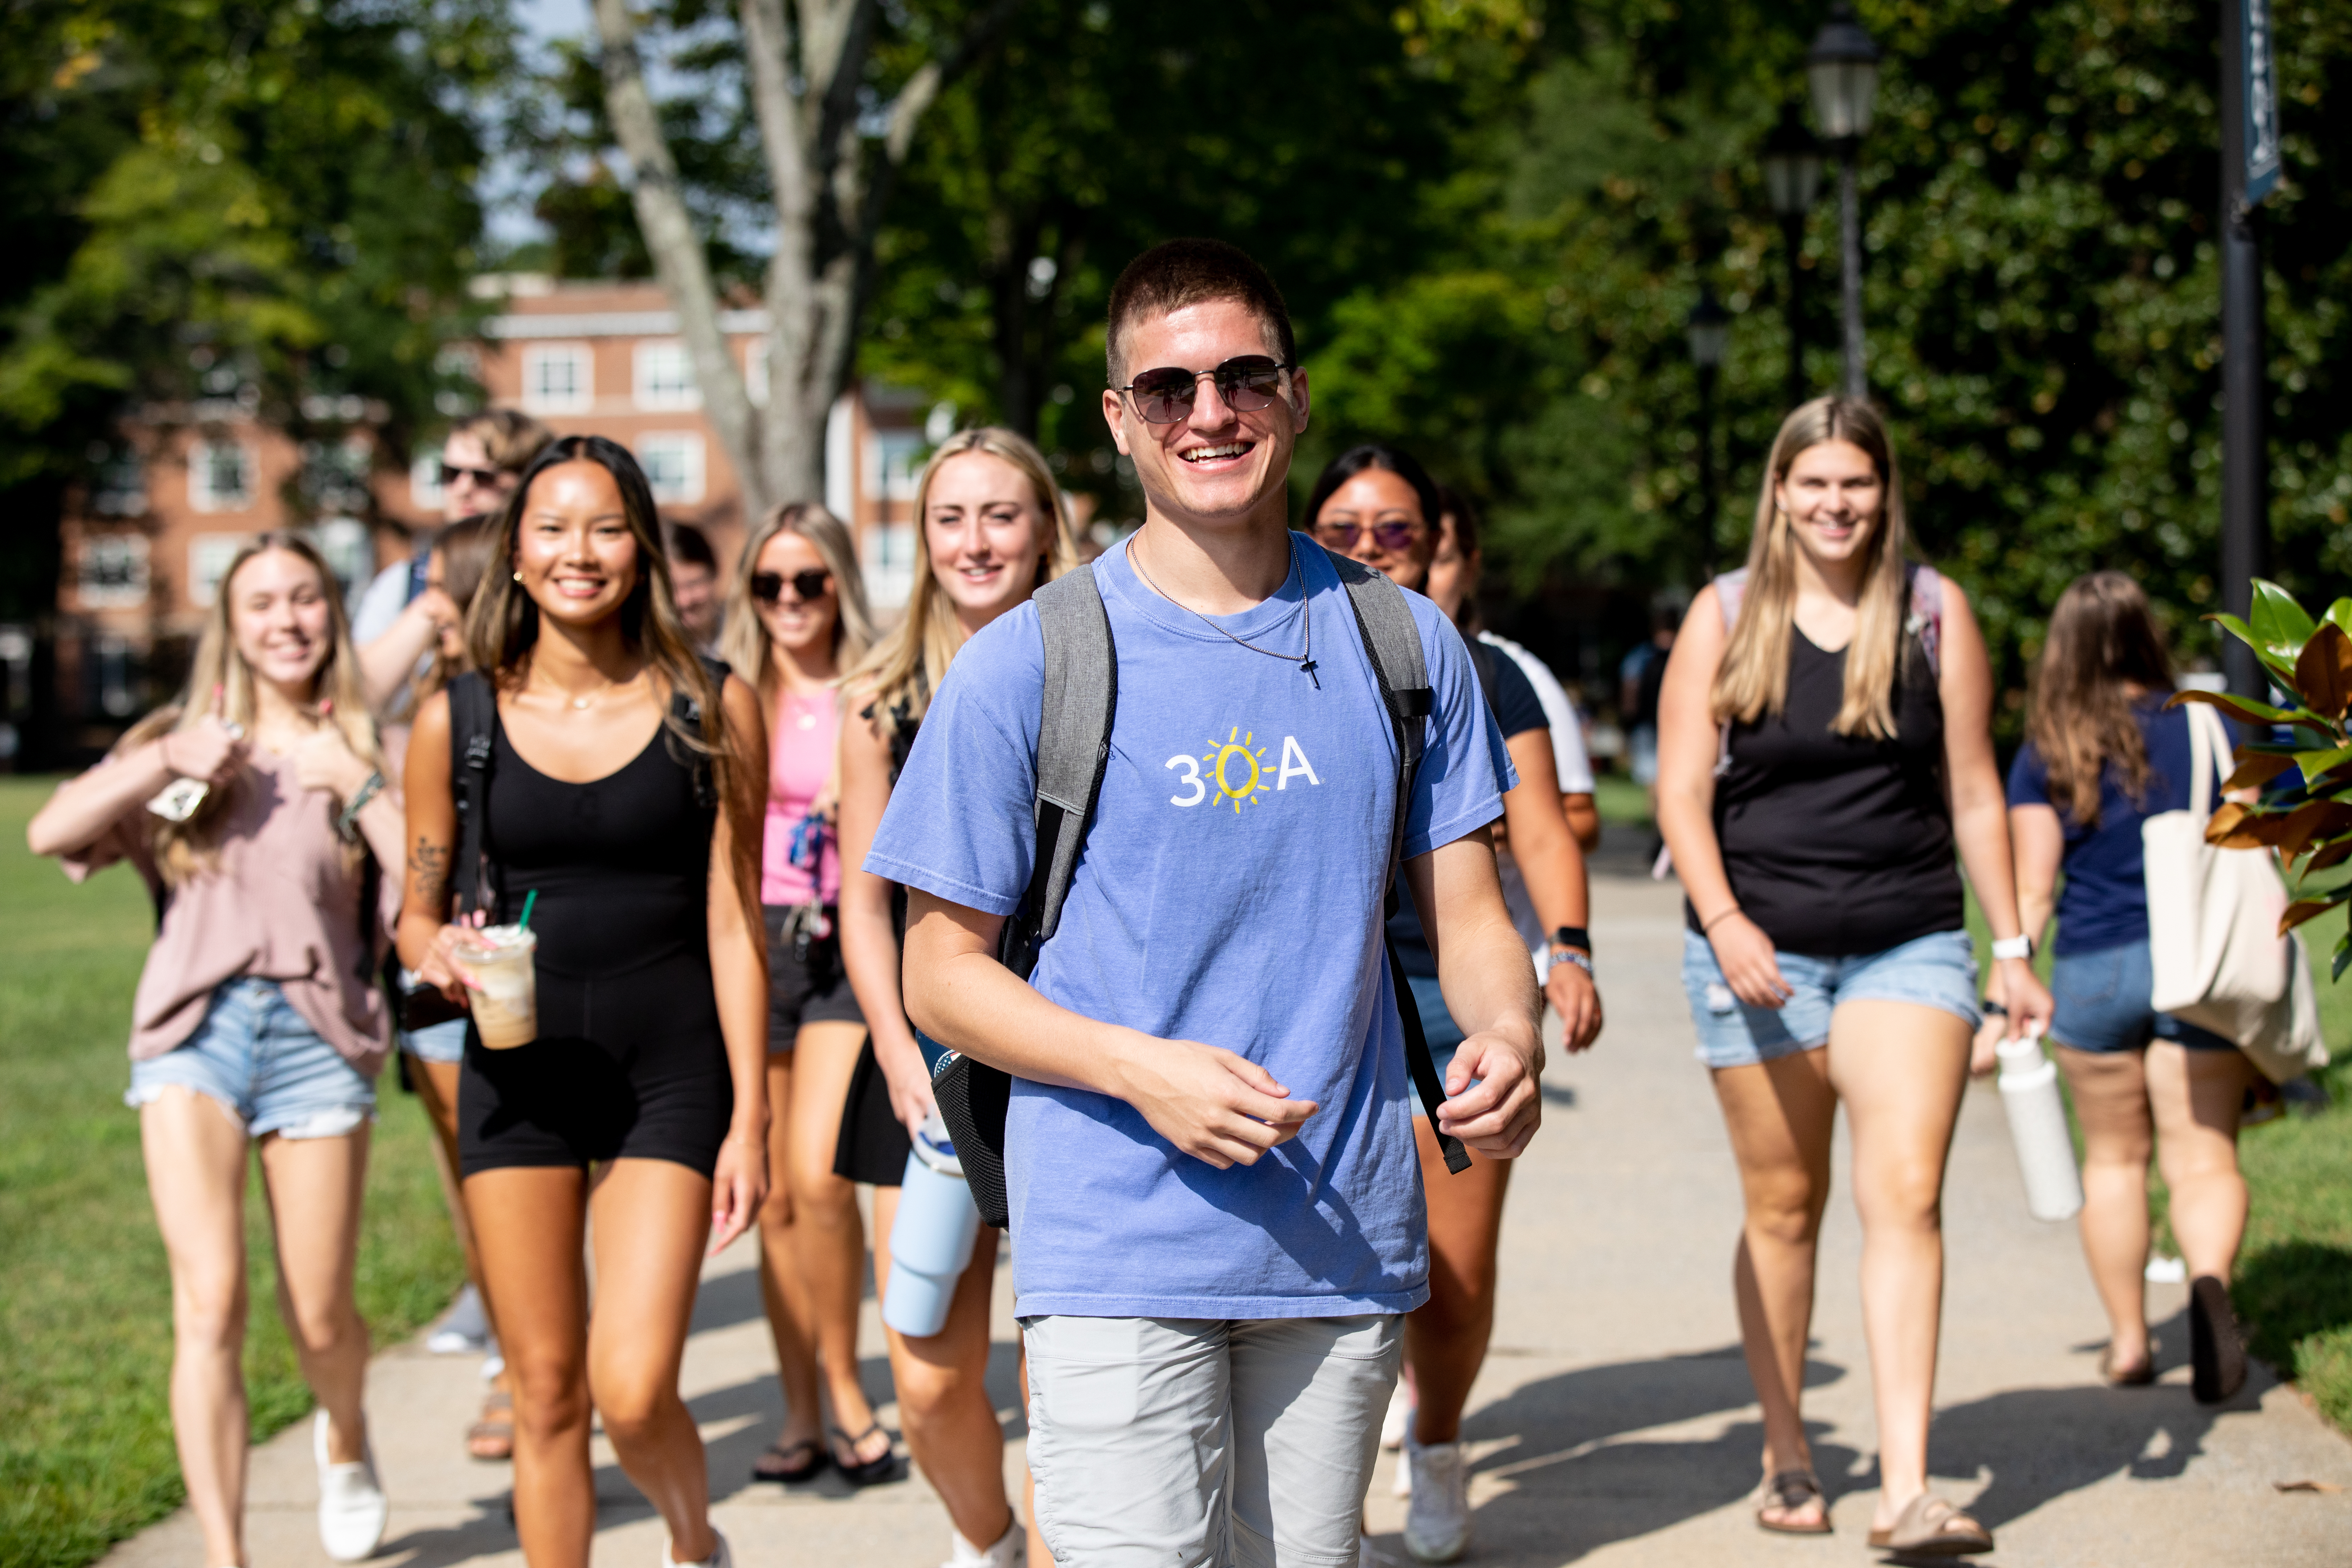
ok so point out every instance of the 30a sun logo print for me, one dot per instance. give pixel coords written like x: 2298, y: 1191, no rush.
x: 1238, y: 766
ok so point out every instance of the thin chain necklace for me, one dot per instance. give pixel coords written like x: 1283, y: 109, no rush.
x: 1305, y: 660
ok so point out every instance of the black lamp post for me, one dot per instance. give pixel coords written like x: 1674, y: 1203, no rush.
x: 1843, y: 69
x: 1792, y: 178
x: 1710, y: 337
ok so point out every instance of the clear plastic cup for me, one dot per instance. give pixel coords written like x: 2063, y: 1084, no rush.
x: 503, y: 962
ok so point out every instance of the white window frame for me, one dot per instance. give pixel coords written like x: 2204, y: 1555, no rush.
x: 886, y: 553
x: 690, y: 448
x: 130, y: 549
x: 202, y: 495
x: 664, y: 376
x: 209, y: 555
x: 538, y: 357
x: 424, y: 482
x: 894, y: 463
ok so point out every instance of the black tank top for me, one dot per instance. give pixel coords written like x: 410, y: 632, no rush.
x: 1840, y: 845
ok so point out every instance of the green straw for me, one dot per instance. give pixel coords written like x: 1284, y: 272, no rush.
x: 528, y: 900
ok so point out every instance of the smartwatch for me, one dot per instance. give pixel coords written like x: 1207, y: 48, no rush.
x: 1572, y: 936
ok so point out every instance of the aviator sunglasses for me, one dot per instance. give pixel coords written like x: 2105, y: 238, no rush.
x: 769, y: 587
x: 1165, y: 396
x: 488, y: 479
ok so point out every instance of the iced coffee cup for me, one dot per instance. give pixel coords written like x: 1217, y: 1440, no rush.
x: 502, y: 961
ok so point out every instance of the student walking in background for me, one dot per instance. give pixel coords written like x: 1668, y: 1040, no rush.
x: 693, y: 580
x: 1373, y: 502
x: 400, y: 617
x: 2102, y: 755
x: 1847, y: 694
x: 461, y: 557
x: 257, y: 1022
x: 620, y: 812
x: 796, y: 618
x: 993, y: 530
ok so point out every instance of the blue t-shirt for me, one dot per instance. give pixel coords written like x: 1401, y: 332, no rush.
x: 2105, y: 900
x: 1229, y: 893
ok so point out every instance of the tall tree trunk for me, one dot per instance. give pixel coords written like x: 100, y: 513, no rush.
x: 830, y: 195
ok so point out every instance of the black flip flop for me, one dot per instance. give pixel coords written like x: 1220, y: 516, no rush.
x: 864, y: 1472
x: 2217, y: 1351
x: 785, y: 1471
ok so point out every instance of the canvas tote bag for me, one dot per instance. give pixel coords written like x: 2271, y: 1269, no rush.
x: 2213, y: 929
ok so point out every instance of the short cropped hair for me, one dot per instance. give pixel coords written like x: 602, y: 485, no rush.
x: 1176, y: 273
x: 684, y: 542
x: 511, y: 439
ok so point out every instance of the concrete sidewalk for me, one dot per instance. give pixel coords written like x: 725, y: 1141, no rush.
x: 1614, y: 1422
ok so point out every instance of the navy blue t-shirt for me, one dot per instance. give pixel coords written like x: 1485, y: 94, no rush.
x: 1516, y: 709
x: 2105, y: 900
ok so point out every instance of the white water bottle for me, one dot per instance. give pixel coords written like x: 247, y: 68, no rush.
x: 931, y: 1240
x: 2037, y: 1125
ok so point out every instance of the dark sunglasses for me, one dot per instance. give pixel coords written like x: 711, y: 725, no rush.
x: 488, y: 479
x: 1247, y: 385
x: 1390, y: 536
x: 769, y: 587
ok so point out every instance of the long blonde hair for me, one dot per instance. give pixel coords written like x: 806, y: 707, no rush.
x: 745, y: 643
x: 185, y: 849
x: 1753, y: 679
x: 908, y: 664
x: 502, y: 624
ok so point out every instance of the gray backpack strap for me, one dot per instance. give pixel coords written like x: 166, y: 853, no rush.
x: 1393, y: 642
x: 1081, y: 698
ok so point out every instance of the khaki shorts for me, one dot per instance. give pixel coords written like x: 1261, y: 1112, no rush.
x: 1200, y: 1442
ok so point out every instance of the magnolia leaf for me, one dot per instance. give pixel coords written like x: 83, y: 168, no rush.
x: 2245, y: 709
x: 2343, y: 956
x: 2315, y: 764
x: 2278, y: 661
x: 2311, y: 820
x: 2340, y: 611
x: 2255, y: 771
x: 2303, y: 910
x: 2233, y: 826
x: 2335, y: 854
x: 2279, y: 622
x: 2323, y: 672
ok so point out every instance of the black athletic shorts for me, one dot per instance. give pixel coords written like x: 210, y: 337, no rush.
x: 813, y: 991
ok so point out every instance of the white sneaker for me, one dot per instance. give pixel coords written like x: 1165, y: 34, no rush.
x: 352, y: 1508
x: 1398, y: 1421
x: 1437, y: 1524
x: 1010, y: 1551
x: 464, y: 1329
x: 719, y: 1556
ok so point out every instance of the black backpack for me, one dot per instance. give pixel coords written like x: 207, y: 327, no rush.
x: 1081, y: 696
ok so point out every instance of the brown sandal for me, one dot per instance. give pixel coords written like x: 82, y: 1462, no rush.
x: 1930, y: 1527
x: 2138, y: 1376
x: 1788, y: 1490
x: 491, y: 1437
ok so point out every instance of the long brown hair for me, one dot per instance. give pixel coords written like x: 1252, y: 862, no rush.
x: 502, y: 626
x: 2103, y: 639
x: 185, y: 850
x: 745, y: 643
x: 1753, y: 679
x: 469, y: 548
x: 908, y: 664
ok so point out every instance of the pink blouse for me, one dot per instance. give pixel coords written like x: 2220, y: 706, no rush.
x: 282, y: 904
x: 801, y: 746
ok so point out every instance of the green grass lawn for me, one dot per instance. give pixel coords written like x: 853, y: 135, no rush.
x: 85, y: 1453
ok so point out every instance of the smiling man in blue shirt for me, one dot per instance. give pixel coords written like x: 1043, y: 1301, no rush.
x: 1216, y: 1209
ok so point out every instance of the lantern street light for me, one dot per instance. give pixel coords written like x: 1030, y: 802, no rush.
x: 1792, y: 178
x: 1843, y: 69
x: 1710, y: 337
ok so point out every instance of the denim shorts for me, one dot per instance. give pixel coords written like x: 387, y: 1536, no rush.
x: 444, y: 1042
x: 261, y: 1061
x: 2103, y: 1004
x: 1936, y: 971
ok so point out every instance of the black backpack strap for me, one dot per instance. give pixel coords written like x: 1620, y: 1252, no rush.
x: 1393, y: 643
x: 473, y: 733
x: 1079, y: 701
x: 687, y: 713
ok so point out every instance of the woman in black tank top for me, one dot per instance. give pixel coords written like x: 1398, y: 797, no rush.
x: 620, y: 806
x: 1824, y: 748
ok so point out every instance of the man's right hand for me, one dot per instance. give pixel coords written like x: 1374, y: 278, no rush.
x: 1210, y: 1103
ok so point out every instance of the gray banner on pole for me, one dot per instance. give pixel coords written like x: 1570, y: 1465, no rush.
x: 2261, y: 143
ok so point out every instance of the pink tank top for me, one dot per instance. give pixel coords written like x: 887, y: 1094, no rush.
x: 800, y: 745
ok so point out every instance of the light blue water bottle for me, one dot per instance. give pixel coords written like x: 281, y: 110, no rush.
x: 931, y: 1240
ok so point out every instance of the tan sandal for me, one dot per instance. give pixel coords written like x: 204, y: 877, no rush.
x: 1788, y: 1491
x: 491, y: 1437
x: 1930, y: 1527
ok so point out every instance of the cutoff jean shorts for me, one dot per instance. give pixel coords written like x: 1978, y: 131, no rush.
x: 2101, y: 1000
x: 1207, y: 1443
x: 260, y: 1061
x: 1935, y: 971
